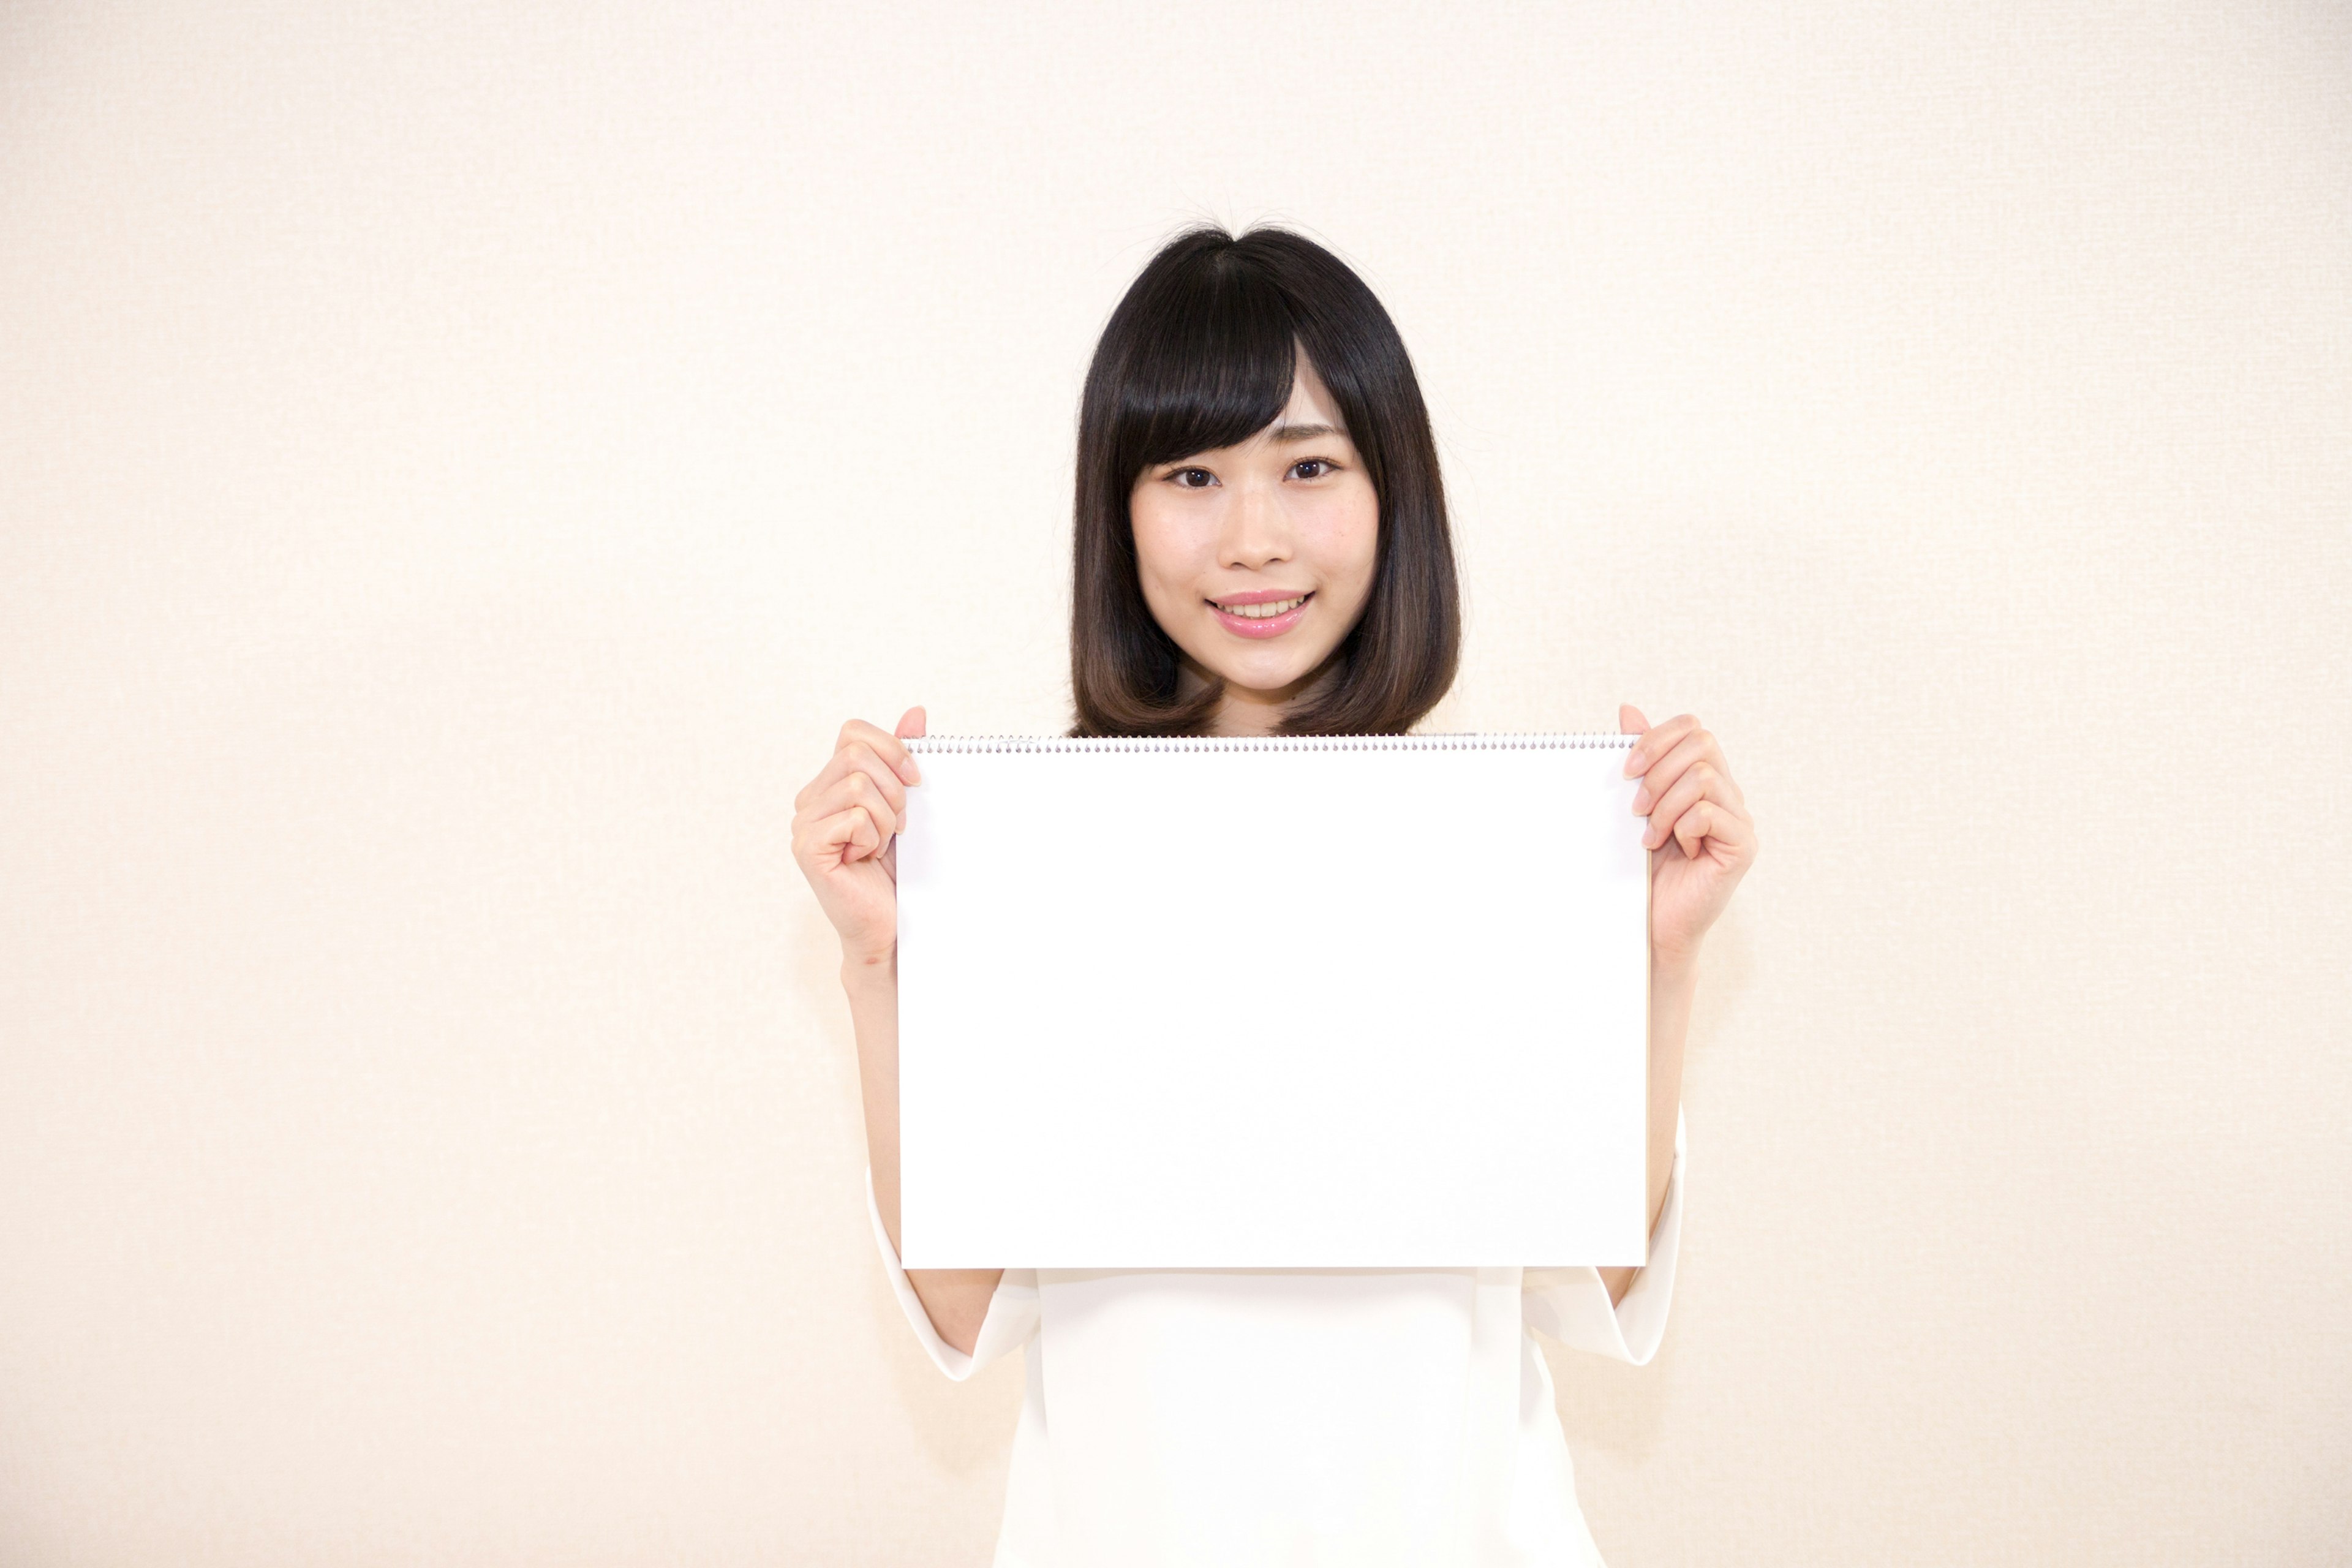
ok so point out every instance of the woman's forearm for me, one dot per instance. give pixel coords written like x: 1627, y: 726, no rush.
x: 956, y: 1298
x: 1671, y: 989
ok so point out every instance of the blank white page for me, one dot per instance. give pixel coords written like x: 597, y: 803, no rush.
x: 1369, y: 1002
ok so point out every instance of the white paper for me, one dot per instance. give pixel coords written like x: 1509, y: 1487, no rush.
x: 1299, y: 1005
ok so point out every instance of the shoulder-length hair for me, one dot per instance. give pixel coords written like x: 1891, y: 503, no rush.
x: 1198, y: 356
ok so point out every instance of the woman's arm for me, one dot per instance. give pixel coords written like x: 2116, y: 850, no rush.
x: 956, y: 1298
x: 843, y: 837
x: 1670, y: 986
x: 1703, y: 841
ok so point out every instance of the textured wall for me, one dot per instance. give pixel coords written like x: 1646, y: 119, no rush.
x: 458, y: 466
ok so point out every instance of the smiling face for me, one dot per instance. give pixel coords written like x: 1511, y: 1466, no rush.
x: 1256, y: 559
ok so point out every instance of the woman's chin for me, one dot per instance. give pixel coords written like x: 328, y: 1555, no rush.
x: 1268, y: 679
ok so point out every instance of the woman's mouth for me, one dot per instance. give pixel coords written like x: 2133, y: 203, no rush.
x: 1260, y: 615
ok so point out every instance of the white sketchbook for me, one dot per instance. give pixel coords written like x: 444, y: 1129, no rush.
x: 1330, y: 1002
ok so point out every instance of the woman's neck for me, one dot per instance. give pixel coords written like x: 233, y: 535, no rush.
x: 1248, y: 710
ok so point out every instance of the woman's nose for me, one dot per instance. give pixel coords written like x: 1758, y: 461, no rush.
x: 1256, y: 533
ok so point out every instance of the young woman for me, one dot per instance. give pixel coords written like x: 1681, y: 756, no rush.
x: 1262, y: 547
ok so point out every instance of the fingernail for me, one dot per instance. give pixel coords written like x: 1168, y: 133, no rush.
x: 1642, y: 799
x: 1631, y: 759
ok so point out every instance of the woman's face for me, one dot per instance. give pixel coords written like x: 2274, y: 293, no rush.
x: 1256, y: 558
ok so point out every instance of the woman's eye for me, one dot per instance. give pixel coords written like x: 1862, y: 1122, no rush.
x: 1319, y: 466
x: 1193, y: 478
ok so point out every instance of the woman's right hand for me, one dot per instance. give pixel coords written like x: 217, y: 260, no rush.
x: 844, y: 828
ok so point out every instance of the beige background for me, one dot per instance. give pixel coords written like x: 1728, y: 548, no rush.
x: 457, y: 466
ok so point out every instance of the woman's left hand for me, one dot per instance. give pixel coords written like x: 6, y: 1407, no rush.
x: 1699, y: 826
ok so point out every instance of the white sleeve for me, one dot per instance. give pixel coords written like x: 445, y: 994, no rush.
x: 1011, y: 1318
x: 1572, y: 1305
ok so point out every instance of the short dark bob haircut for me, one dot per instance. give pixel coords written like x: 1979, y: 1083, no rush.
x: 1200, y: 355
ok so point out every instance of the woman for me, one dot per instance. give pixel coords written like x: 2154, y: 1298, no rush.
x: 1262, y: 547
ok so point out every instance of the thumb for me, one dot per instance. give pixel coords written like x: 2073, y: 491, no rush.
x: 910, y: 724
x: 1629, y: 719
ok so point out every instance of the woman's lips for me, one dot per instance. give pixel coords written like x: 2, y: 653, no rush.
x: 1259, y: 623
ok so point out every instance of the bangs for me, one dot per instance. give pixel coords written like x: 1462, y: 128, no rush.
x: 1211, y: 367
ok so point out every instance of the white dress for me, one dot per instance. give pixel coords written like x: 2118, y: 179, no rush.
x: 1331, y: 1415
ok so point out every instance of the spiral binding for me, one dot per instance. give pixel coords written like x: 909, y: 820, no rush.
x: 1585, y: 740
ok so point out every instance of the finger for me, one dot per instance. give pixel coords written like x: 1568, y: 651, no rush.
x: 886, y: 746
x: 862, y: 790
x: 862, y: 762
x: 844, y: 837
x: 1698, y: 749
x: 856, y: 793
x: 910, y: 724
x: 1704, y: 817
x: 857, y: 733
x: 888, y: 815
x: 1656, y: 742
x: 1698, y: 782
x: 855, y: 757
x: 1707, y: 827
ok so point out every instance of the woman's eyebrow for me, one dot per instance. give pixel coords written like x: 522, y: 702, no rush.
x: 1306, y: 431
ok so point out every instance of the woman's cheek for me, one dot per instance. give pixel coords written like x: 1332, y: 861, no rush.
x: 1164, y: 556
x: 1342, y: 534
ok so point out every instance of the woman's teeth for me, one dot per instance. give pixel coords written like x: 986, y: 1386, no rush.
x: 1263, y: 611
